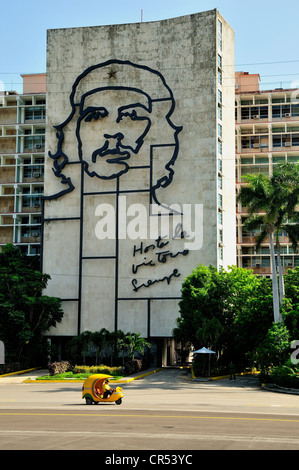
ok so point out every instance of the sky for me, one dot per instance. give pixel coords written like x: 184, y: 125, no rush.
x: 266, y: 32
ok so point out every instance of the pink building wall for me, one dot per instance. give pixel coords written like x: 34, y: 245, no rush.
x: 34, y: 83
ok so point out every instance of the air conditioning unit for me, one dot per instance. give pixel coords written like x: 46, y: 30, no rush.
x: 36, y: 174
x: 287, y: 114
x: 36, y: 205
x: 35, y: 234
x: 257, y: 265
x: 255, y: 116
x: 38, y: 146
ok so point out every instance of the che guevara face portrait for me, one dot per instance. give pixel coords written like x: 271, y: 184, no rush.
x: 120, y: 112
x: 111, y: 129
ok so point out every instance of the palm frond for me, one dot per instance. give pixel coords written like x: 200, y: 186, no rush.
x: 254, y: 222
x: 261, y: 237
x: 293, y: 233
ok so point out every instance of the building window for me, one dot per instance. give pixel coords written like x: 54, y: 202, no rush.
x: 36, y: 113
x: 294, y: 159
x: 286, y: 140
x: 35, y: 250
x: 255, y: 112
x: 246, y: 160
x: 219, y: 130
x: 219, y: 182
x: 219, y: 77
x: 278, y: 160
x: 219, y: 61
x: 220, y: 218
x: 220, y: 96
x: 219, y: 112
x: 281, y: 111
x: 34, y: 143
x: 219, y: 35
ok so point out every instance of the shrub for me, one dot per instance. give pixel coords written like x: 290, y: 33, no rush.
x: 196, y: 368
x: 59, y: 367
x: 285, y: 376
x: 135, y: 365
x: 102, y: 369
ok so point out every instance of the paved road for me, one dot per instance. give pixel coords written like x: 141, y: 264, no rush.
x: 164, y: 411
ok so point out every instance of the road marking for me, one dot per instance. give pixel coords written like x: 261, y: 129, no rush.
x: 97, y: 415
x: 248, y: 439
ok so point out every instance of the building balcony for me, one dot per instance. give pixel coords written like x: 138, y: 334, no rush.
x: 36, y: 208
x: 34, y: 178
x: 6, y: 235
x: 31, y: 239
x: 263, y: 271
x: 7, y: 174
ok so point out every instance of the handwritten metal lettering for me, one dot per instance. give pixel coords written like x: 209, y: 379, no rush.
x: 150, y: 282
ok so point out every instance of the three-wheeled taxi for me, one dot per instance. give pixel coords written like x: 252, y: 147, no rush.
x: 93, y: 392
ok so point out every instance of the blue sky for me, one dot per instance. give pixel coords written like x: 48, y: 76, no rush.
x: 266, y: 32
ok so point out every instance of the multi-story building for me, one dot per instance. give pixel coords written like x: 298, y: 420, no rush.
x: 22, y: 146
x: 152, y: 129
x: 267, y: 133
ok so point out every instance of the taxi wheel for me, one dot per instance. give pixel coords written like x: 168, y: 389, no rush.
x: 118, y: 402
x: 88, y: 401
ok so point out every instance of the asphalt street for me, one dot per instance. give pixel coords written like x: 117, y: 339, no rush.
x: 165, y: 411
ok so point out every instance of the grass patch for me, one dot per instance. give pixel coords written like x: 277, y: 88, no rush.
x: 71, y: 375
x: 62, y: 370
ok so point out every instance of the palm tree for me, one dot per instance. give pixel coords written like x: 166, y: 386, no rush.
x: 114, y: 341
x: 99, y: 339
x: 271, y: 201
x: 135, y: 343
x: 84, y: 340
x: 285, y: 183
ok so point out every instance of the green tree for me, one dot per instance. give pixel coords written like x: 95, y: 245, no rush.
x: 254, y: 317
x: 78, y: 347
x: 201, y: 309
x: 271, y: 203
x: 274, y: 349
x: 84, y: 340
x: 227, y: 311
x: 121, y: 344
x: 135, y: 343
x: 25, y: 314
x: 285, y: 196
x: 291, y: 305
x: 99, y: 339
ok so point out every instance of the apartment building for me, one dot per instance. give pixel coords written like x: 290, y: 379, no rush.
x: 267, y: 134
x: 22, y: 146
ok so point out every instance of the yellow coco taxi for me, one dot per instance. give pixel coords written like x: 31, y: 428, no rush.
x: 93, y: 390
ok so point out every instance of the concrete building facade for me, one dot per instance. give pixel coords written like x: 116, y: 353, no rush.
x: 22, y: 147
x: 138, y: 178
x: 267, y: 133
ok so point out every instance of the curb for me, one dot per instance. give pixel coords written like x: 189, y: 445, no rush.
x: 83, y: 380
x: 19, y: 372
x: 278, y: 389
x: 220, y: 377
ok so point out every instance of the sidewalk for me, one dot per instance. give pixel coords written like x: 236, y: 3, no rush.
x: 24, y: 375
